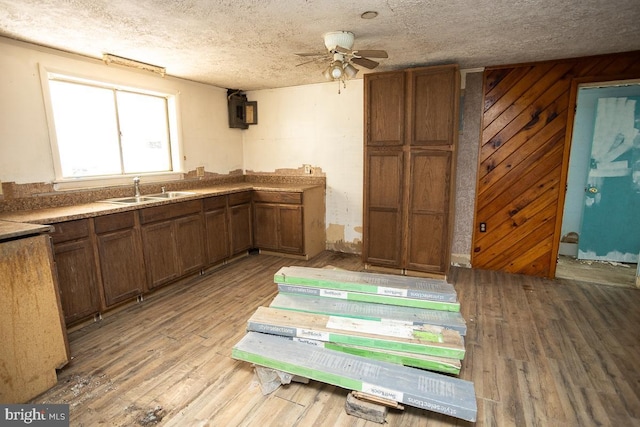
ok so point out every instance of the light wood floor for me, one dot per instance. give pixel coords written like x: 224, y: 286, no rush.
x: 601, y: 272
x: 540, y: 353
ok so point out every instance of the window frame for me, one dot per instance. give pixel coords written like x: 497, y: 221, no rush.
x: 172, y: 96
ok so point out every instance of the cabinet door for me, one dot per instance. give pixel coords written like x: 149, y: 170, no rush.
x: 385, y: 105
x: 428, y: 214
x: 160, y: 253
x: 77, y: 279
x: 408, y: 189
x: 432, y: 114
x: 217, y: 235
x: 265, y: 226
x: 189, y: 235
x: 240, y: 221
x: 121, y: 265
x: 383, y: 207
x: 290, y: 229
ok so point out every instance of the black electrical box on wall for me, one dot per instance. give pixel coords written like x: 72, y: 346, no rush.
x: 242, y: 113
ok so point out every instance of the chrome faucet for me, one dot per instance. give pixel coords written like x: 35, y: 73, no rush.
x: 136, y: 186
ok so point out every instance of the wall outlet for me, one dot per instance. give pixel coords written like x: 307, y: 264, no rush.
x: 307, y: 169
x: 200, y: 171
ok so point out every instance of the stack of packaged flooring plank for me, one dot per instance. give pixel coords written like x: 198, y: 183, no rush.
x: 366, y: 332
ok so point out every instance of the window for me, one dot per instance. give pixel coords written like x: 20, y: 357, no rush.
x: 103, y: 130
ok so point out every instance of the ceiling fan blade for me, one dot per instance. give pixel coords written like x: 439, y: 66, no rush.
x: 371, y: 53
x: 342, y: 50
x: 310, y: 61
x: 365, y: 62
x: 311, y: 54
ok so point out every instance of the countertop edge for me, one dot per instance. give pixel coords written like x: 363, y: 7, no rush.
x: 98, y: 208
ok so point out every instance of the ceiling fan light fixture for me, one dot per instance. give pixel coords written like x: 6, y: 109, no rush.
x: 350, y: 70
x: 336, y: 70
x: 327, y: 73
x: 340, y: 70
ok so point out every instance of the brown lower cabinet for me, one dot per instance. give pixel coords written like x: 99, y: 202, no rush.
x: 76, y: 267
x: 278, y: 221
x: 120, y: 255
x: 106, y: 260
x: 190, y: 243
x: 172, y: 240
x: 289, y: 222
x: 217, y: 229
x: 240, y: 222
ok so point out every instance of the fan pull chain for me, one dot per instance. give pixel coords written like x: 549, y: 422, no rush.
x: 344, y: 83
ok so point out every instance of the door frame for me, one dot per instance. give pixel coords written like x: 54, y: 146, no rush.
x: 576, y: 82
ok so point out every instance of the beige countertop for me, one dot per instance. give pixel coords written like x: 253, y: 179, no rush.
x: 17, y: 223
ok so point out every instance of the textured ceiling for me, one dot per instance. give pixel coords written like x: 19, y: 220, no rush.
x: 251, y: 44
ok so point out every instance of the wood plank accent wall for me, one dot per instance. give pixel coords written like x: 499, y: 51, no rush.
x: 524, y: 152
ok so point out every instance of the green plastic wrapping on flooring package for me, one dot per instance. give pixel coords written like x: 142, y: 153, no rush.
x: 370, y: 298
x: 432, y: 363
x: 363, y: 310
x: 411, y: 386
x: 369, y: 283
x: 332, y: 329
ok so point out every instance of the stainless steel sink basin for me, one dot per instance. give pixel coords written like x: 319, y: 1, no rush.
x: 171, y: 194
x: 130, y: 200
x: 149, y: 198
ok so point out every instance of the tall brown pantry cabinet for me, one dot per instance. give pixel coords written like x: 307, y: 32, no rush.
x: 411, y: 124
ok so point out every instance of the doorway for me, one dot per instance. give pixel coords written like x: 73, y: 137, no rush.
x: 600, y: 235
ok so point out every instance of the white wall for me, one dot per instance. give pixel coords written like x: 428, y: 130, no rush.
x: 312, y: 124
x: 25, y: 151
x: 316, y: 125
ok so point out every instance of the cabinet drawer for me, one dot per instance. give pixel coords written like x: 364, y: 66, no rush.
x: 277, y: 197
x: 213, y: 203
x: 70, y: 230
x: 239, y: 198
x: 174, y: 210
x: 113, y: 222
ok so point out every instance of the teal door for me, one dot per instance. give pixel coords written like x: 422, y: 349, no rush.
x: 610, y: 228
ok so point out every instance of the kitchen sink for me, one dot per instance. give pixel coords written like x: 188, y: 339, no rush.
x: 149, y: 198
x: 171, y: 194
x: 131, y: 200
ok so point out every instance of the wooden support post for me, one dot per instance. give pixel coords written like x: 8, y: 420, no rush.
x: 364, y: 409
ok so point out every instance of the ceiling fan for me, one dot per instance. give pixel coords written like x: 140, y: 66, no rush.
x: 339, y: 45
